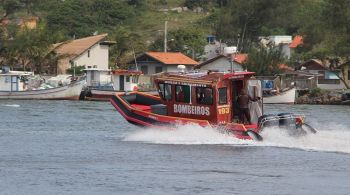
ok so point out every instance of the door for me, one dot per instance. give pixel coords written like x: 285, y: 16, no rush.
x: 14, y: 83
x: 121, y: 82
x: 237, y: 86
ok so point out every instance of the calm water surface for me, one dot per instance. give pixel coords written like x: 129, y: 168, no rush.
x: 71, y: 147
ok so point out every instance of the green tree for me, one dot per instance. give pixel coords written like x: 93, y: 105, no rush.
x: 8, y: 7
x: 265, y: 60
x: 29, y: 48
x: 80, y: 18
x: 189, y: 41
x: 127, y: 45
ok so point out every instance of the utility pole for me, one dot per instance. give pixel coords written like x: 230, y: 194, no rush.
x: 165, y: 36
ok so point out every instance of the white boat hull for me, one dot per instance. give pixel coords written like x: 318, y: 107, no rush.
x: 69, y: 92
x: 105, y: 95
x: 287, y: 97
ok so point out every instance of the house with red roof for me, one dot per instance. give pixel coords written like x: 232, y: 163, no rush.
x: 222, y: 63
x: 155, y: 62
x: 326, y: 78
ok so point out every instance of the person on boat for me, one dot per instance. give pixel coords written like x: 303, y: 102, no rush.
x: 243, y: 101
x: 181, y: 95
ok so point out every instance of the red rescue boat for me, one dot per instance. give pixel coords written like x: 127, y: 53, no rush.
x: 206, y: 99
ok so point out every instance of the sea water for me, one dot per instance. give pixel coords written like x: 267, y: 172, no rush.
x: 75, y: 147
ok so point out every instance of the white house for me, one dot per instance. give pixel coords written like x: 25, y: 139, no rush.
x: 90, y: 52
x: 286, y: 44
x: 214, y: 48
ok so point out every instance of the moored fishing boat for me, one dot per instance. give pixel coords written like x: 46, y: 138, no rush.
x: 206, y: 99
x: 13, y: 86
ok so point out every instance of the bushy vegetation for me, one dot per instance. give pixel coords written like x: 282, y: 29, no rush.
x: 138, y: 26
x: 317, y: 92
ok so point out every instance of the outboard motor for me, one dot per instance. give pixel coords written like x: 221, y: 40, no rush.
x: 291, y: 123
x: 287, y: 120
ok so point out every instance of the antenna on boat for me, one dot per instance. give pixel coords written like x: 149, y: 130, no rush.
x: 181, y: 68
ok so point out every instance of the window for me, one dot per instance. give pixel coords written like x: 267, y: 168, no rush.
x: 127, y: 78
x: 204, y: 95
x: 223, y: 95
x: 165, y: 91
x: 144, y: 69
x: 159, y: 69
x: 135, y: 79
x: 88, y: 53
x: 183, y: 93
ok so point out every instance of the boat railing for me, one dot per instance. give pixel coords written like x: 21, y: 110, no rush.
x: 276, y: 119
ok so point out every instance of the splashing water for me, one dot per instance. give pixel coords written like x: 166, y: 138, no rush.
x: 185, y: 134
x: 331, y: 138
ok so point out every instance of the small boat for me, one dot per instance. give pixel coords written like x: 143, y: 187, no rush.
x: 285, y: 97
x: 205, y: 99
x: 13, y: 86
x: 276, y: 93
x: 119, y: 81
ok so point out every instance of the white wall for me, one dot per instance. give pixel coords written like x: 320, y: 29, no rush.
x: 5, y: 83
x: 222, y: 65
x: 213, y: 50
x: 95, y: 77
x: 98, y: 57
x: 332, y: 86
x: 173, y: 68
x: 166, y: 68
x: 286, y: 51
x: 280, y: 39
x: 128, y: 86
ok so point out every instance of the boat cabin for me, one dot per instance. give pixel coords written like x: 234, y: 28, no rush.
x: 13, y: 80
x: 208, y: 96
x: 125, y: 80
x: 98, y: 78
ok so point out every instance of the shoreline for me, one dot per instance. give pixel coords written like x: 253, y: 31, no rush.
x: 323, y: 97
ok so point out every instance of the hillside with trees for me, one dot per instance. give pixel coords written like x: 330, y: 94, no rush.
x: 138, y: 26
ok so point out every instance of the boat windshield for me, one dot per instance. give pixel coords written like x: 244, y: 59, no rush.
x: 165, y: 91
x: 183, y: 93
x: 204, y: 95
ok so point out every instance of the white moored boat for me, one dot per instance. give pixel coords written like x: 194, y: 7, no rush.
x: 286, y: 97
x: 12, y: 86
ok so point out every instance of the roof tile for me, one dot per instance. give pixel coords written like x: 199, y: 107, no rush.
x: 298, y: 40
x: 172, y: 58
x: 76, y: 47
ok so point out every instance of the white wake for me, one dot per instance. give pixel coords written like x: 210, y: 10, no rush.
x: 331, y: 138
x: 12, y: 105
x: 186, y: 134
